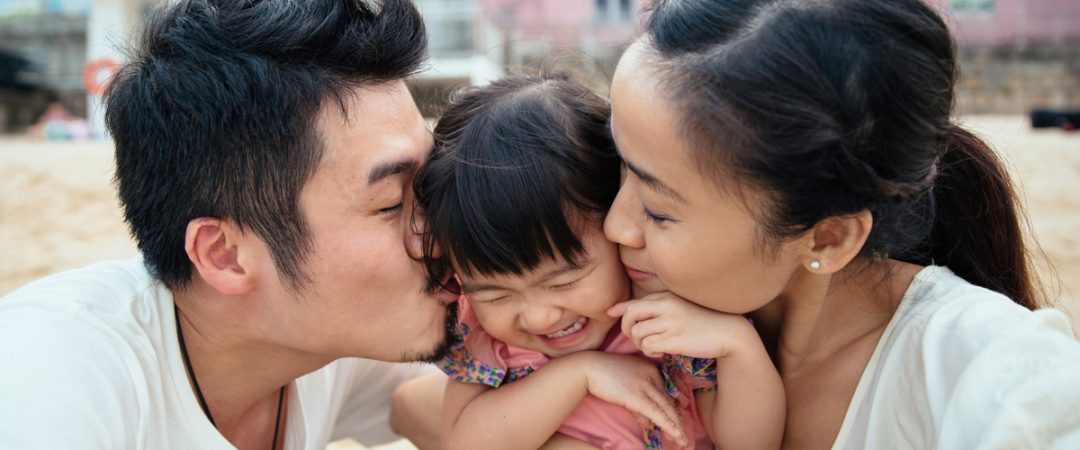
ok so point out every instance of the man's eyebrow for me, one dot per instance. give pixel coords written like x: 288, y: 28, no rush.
x: 388, y: 169
x: 653, y: 182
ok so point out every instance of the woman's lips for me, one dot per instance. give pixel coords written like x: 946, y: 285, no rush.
x: 638, y: 275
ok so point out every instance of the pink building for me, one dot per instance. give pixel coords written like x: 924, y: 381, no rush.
x: 586, y: 24
x: 994, y: 23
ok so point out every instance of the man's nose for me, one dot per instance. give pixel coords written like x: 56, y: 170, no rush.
x: 414, y: 237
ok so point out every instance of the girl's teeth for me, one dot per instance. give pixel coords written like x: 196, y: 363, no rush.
x: 571, y: 330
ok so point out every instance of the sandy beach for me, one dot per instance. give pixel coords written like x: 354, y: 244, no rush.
x: 58, y: 209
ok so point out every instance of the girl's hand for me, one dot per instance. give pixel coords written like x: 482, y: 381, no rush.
x: 635, y: 384
x: 666, y: 323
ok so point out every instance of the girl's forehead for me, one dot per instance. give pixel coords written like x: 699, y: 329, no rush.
x: 548, y: 269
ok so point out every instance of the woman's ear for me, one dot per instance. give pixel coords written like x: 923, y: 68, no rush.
x: 836, y: 241
x: 214, y: 247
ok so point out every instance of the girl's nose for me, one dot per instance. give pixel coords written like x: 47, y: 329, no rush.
x: 539, y: 319
x: 620, y: 226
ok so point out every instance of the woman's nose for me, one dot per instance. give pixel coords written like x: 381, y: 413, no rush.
x: 620, y: 226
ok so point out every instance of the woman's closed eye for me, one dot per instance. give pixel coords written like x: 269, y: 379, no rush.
x: 655, y: 217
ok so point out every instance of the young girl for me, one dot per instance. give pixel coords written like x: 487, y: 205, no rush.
x: 515, y: 195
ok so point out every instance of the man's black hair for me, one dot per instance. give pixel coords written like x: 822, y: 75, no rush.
x: 215, y: 114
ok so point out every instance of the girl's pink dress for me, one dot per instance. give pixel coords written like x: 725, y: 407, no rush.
x: 476, y: 357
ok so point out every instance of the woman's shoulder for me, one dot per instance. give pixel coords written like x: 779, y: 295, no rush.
x: 949, y: 323
x: 966, y: 367
x: 941, y: 305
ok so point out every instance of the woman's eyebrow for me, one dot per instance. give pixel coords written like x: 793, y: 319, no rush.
x: 653, y: 182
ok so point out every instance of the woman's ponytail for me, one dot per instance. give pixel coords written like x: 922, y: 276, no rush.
x: 977, y: 232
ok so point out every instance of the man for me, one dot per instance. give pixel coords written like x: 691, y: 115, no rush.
x: 265, y: 152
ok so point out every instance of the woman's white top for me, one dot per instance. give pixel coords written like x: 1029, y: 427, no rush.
x: 962, y: 367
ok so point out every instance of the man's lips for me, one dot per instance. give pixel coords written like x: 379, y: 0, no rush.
x: 638, y: 275
x: 449, y: 290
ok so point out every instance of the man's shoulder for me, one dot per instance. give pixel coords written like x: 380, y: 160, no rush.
x: 106, y: 287
x: 107, y: 309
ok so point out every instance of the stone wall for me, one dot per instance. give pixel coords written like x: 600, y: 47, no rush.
x: 1015, y: 80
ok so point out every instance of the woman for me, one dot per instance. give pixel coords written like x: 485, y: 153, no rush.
x: 796, y: 161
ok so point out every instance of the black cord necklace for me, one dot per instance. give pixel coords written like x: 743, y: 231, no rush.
x: 198, y: 391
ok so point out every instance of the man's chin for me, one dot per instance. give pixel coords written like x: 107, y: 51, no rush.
x: 442, y: 348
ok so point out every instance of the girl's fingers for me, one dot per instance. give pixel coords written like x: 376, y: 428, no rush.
x: 618, y: 309
x: 642, y: 422
x: 660, y: 397
x: 634, y: 313
x: 654, y: 345
x: 663, y: 414
x: 645, y: 328
x: 657, y: 392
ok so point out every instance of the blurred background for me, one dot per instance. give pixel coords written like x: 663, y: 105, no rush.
x: 1020, y: 90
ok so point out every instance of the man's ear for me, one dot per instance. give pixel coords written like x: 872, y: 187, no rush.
x: 214, y: 246
x: 836, y: 241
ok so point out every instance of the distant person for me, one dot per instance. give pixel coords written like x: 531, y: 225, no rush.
x: 797, y: 161
x: 57, y: 123
x: 515, y: 195
x: 265, y: 154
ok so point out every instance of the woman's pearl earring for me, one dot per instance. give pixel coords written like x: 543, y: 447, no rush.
x: 815, y: 265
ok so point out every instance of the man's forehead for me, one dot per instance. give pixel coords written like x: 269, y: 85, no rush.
x: 377, y: 127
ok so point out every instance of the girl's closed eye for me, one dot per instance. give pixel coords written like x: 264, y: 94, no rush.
x: 491, y: 301
x: 563, y: 285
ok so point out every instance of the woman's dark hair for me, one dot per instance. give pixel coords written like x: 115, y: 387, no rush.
x: 215, y: 114
x: 832, y: 107
x: 519, y: 167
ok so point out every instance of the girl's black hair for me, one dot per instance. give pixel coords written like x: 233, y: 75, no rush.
x: 832, y: 107
x: 519, y: 167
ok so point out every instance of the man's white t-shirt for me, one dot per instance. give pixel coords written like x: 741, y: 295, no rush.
x: 89, y: 359
x: 962, y: 367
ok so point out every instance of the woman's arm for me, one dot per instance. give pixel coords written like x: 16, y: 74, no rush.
x: 748, y: 407
x: 526, y: 413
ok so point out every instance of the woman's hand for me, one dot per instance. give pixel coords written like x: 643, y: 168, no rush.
x: 635, y: 384
x: 666, y: 323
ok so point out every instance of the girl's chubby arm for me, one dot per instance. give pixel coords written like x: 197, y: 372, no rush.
x: 748, y: 407
x: 526, y: 413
